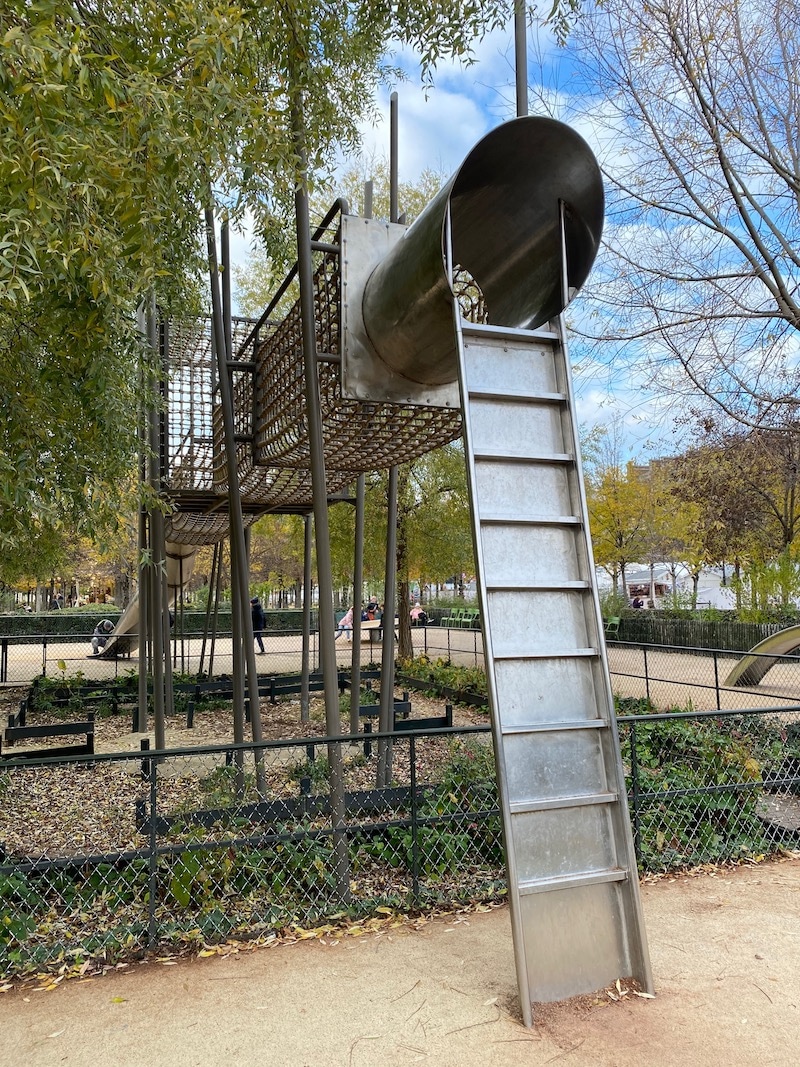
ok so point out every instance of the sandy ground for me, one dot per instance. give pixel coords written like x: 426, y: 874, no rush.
x: 725, y: 948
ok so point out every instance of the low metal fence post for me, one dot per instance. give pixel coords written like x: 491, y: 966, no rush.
x: 4, y: 660
x: 646, y: 677
x: 152, y: 881
x: 412, y: 758
x: 635, y: 814
x: 716, y: 679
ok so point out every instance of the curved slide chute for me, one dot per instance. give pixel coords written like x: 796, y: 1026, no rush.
x: 180, y: 560
x: 751, y: 668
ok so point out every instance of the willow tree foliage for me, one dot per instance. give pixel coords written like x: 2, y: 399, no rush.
x: 119, y: 123
x: 695, y: 106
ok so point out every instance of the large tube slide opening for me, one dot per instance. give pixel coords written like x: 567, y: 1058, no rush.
x: 505, y: 204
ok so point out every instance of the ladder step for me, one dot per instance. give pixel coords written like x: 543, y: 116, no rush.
x: 511, y: 586
x: 517, y: 395
x: 490, y: 456
x: 505, y: 333
x: 549, y: 727
x: 572, y: 881
x: 522, y: 807
x: 553, y: 653
x: 530, y: 520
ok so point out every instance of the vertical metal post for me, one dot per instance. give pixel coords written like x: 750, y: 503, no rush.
x: 142, y: 570
x: 163, y: 460
x: 239, y: 581
x: 521, y: 56
x: 152, y: 932
x: 637, y: 828
x: 387, y: 656
x: 358, y: 585
x: 306, y: 652
x: 394, y: 185
x: 390, y: 581
x: 646, y: 677
x: 158, y: 552
x: 327, y: 623
x: 412, y: 755
x: 716, y: 678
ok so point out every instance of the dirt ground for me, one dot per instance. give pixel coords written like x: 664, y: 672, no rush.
x: 725, y: 948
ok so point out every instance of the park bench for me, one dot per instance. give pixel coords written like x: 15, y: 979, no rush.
x: 60, y: 729
x: 269, y: 687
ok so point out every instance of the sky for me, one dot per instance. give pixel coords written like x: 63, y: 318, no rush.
x: 437, y: 127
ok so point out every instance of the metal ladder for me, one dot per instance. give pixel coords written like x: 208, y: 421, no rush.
x: 573, y: 887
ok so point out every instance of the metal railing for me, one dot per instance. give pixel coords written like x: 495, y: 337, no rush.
x: 673, y: 676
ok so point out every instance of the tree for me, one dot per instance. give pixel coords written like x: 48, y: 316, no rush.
x: 119, y: 125
x: 698, y: 111
x: 618, y: 513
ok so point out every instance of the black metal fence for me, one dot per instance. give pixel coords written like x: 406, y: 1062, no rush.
x: 712, y: 787
x: 109, y: 856
x: 23, y: 657
x: 112, y: 855
x: 673, y: 677
x: 106, y: 856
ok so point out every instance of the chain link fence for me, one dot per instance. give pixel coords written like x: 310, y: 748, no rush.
x: 712, y: 787
x: 699, y: 679
x: 108, y: 856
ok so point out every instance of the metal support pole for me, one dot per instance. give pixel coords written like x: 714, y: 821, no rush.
x: 241, y: 572
x: 394, y: 185
x: 306, y: 652
x: 158, y: 553
x: 390, y: 580
x: 141, y: 711
x: 387, y: 657
x: 327, y: 623
x: 521, y: 56
x: 358, y: 585
x: 166, y: 629
x: 238, y: 554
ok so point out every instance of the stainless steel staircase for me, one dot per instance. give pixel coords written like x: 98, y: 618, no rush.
x: 573, y: 886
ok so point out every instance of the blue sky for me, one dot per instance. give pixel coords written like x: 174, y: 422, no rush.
x: 438, y: 126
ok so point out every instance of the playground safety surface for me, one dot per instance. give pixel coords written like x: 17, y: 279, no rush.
x: 725, y: 947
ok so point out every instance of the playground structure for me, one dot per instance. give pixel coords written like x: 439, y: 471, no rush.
x: 402, y: 339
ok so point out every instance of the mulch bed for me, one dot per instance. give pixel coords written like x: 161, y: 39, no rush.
x: 84, y: 809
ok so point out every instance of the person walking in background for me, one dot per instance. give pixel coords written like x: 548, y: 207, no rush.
x: 345, y: 625
x: 259, y: 622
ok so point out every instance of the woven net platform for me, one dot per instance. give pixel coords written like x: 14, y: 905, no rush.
x: 271, y: 426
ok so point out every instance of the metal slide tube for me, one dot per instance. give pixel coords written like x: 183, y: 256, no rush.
x: 506, y: 233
